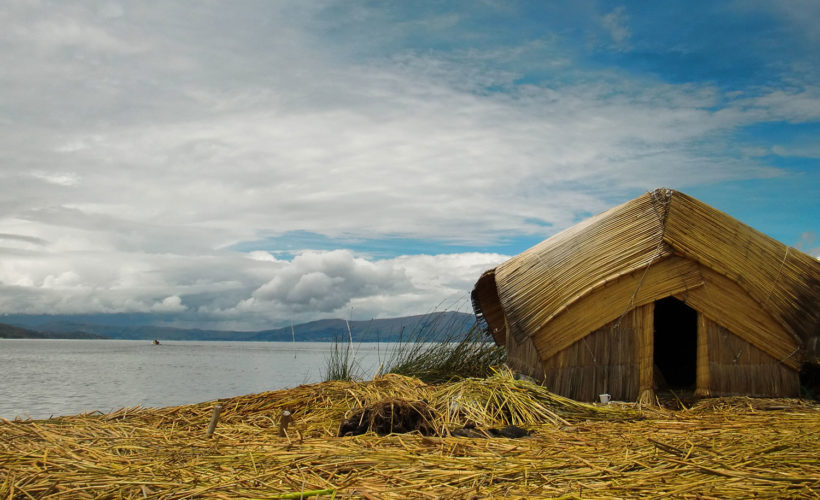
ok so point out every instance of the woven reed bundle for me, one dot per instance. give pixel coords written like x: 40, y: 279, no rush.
x: 725, y: 449
x: 502, y: 400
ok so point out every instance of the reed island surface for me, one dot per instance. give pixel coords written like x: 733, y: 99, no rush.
x: 447, y: 441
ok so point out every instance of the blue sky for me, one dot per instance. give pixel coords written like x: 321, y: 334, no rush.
x: 734, y: 51
x: 240, y: 165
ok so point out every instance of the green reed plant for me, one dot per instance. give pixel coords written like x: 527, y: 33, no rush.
x: 442, y: 349
x: 341, y: 363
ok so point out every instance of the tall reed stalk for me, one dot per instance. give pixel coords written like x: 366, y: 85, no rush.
x: 437, y: 349
x: 442, y: 350
x: 341, y: 363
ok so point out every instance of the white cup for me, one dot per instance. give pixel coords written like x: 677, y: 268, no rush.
x: 605, y: 398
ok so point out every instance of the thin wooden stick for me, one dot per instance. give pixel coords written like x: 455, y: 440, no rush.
x: 283, y: 423
x: 214, y: 420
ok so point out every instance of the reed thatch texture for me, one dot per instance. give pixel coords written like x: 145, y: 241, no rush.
x: 724, y: 302
x: 661, y: 244
x: 523, y: 358
x: 736, y: 367
x: 703, y: 386
x: 781, y: 280
x: 488, y: 309
x: 540, y: 282
x: 607, y: 303
x: 722, y: 448
x: 644, y: 328
x: 604, y: 361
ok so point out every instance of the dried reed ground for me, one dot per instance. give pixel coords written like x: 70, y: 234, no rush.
x: 722, y: 448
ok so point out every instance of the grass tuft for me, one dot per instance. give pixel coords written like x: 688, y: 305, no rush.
x: 341, y: 363
x: 440, y: 352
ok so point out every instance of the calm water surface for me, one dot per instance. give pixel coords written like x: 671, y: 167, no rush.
x: 41, y: 378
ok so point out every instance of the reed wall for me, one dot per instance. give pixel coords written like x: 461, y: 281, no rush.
x: 522, y: 357
x: 613, y: 359
x: 669, y: 276
x: 736, y: 367
x: 728, y: 304
x: 604, y: 361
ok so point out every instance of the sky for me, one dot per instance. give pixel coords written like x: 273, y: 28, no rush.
x: 244, y: 164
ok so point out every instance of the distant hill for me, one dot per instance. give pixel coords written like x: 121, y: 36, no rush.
x: 433, y: 326
x: 14, y: 332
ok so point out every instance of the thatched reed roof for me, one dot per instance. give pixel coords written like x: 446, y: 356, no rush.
x: 661, y: 244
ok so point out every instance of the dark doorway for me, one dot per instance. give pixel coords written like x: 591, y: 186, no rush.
x: 676, y: 344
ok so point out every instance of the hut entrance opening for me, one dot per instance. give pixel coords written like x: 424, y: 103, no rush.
x: 676, y: 342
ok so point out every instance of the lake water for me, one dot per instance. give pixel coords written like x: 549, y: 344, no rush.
x: 41, y: 378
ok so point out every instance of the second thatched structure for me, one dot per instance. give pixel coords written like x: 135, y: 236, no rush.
x: 663, y: 291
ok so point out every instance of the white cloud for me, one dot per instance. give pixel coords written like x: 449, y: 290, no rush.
x: 67, y: 279
x: 616, y: 23
x: 170, y: 304
x: 233, y: 290
x: 324, y: 282
x: 338, y: 284
x: 58, y: 178
x: 261, y: 255
x: 178, y: 140
x: 334, y: 283
x: 796, y: 106
x: 809, y: 244
x: 316, y: 147
x: 804, y: 150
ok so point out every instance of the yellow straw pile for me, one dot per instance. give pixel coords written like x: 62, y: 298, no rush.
x: 725, y: 448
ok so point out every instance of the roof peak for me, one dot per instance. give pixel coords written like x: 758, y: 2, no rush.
x: 661, y: 199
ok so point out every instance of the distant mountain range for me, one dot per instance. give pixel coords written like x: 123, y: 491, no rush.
x: 14, y: 332
x: 433, y: 326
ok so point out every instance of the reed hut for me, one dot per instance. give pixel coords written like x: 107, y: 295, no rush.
x: 661, y: 292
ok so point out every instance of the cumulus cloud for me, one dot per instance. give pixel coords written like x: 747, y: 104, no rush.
x: 235, y: 290
x: 337, y: 283
x: 324, y: 282
x: 170, y: 304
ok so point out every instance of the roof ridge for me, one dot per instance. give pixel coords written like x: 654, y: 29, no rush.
x: 661, y: 199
